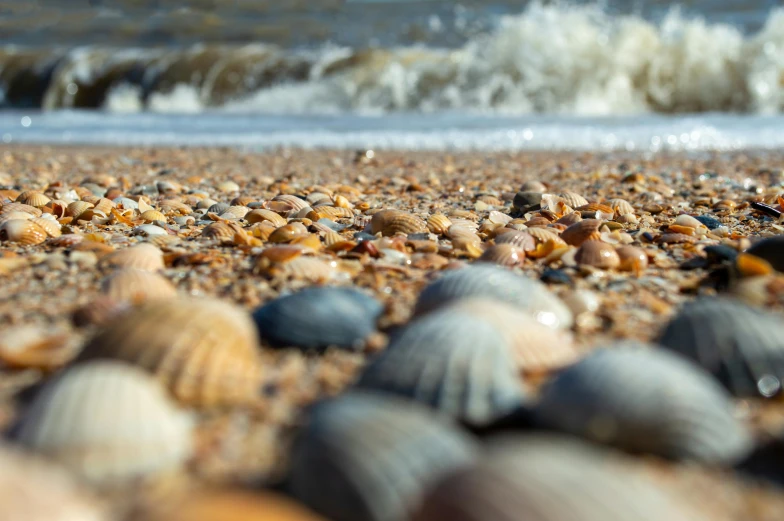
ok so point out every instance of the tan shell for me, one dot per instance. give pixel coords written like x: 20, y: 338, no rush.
x: 109, y: 422
x: 438, y: 224
x: 573, y: 199
x: 598, y: 255
x: 332, y: 238
x: 15, y: 216
x: 256, y: 216
x: 570, y: 219
x: 504, y: 255
x: 304, y: 268
x: 537, y: 221
x: 136, y: 286
x: 294, y: 202
x: 143, y: 256
x: 461, y: 237
x: 627, y: 218
x: 77, y: 208
x: 50, y: 226
x: 381, y: 218
x: 66, y: 241
x: 676, y: 238
x: 242, y: 200
x: 20, y: 207
x: 235, y: 212
x: 329, y: 212
x: 24, y: 232
x: 33, y: 346
x: 171, y: 206
x: 544, y: 235
x: 620, y: 206
x: 105, y: 205
x: 523, y: 240
x: 261, y: 230
x: 32, y: 198
x: 533, y: 186
x: 632, y: 258
x: 153, y: 215
x: 204, y: 351
x: 219, y: 231
x: 688, y: 221
x: 585, y: 230
x: 288, y: 233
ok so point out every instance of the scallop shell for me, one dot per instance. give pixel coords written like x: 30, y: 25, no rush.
x: 304, y: 268
x: 36, y: 490
x: 503, y: 255
x: 620, y: 206
x: 544, y: 235
x: 152, y: 216
x: 235, y: 212
x: 108, y: 422
x: 35, y: 199
x: 570, y: 219
x: 330, y: 212
x: 597, y: 254
x: 405, y: 223
x: 218, y: 208
x: 292, y: 200
x: 738, y: 344
x: 142, y: 256
x: 220, y: 231
x: 585, y: 230
x: 261, y: 214
x: 381, y: 218
x: 204, y: 351
x: 523, y: 240
x: 50, y: 226
x: 573, y: 199
x: 376, y: 454
x: 546, y: 479
x: 288, y: 232
x: 453, y: 362
x: 15, y: 216
x: 498, y: 284
x: 438, y: 224
x: 645, y: 399
x: 104, y: 205
x: 461, y: 237
x: 316, y: 318
x: 771, y: 250
x: 78, y: 208
x: 20, y: 207
x: 170, y: 206
x: 136, y: 286
x: 242, y: 200
x: 24, y: 232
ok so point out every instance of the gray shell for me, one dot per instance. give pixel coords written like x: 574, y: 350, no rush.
x: 453, y: 362
x: 367, y: 457
x: 319, y: 317
x: 770, y: 249
x: 218, y: 208
x: 496, y: 283
x: 544, y: 479
x: 645, y: 400
x: 741, y: 346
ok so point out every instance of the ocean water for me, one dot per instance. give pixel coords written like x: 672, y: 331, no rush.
x: 496, y: 75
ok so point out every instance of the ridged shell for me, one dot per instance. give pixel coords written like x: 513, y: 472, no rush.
x: 50, y: 226
x: 303, y: 268
x: 36, y: 490
x: 15, y: 216
x: 364, y: 457
x: 35, y: 199
x: 596, y: 207
x: 20, y: 207
x: 585, y: 230
x: 219, y: 231
x: 620, y: 206
x: 522, y: 240
x: 570, y: 219
x: 573, y: 199
x: 452, y: 362
x: 740, y: 345
x: 218, y: 208
x: 24, y: 232
x: 381, y: 218
x: 104, y: 205
x: 153, y: 215
x: 771, y: 250
x: 499, y: 284
x: 506, y: 255
x: 544, y: 235
x: 532, y: 478
x: 645, y: 399
x: 136, y: 286
x: 108, y: 422
x: 535, y: 348
x: 77, y: 208
x: 235, y: 212
x: 597, y: 254
x: 204, y: 351
x: 438, y: 224
x: 261, y: 214
x: 403, y: 223
x: 142, y: 256
x: 461, y: 236
x: 316, y: 318
x: 292, y: 200
x: 329, y: 212
x: 170, y: 206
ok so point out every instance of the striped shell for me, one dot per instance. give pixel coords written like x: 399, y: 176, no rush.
x: 77, y: 209
x: 35, y: 199
x: 23, y: 480
x: 220, y: 231
x: 142, y: 256
x: 533, y: 478
x: 152, y: 215
x: 498, y: 284
x: 620, y: 206
x: 24, y: 232
x: 579, y: 232
x: 235, y: 212
x: 462, y: 236
x: 136, y: 286
x: 105, y: 205
x: 171, y: 206
x: 21, y: 207
x: 645, y: 399
x: 316, y: 318
x: 32, y: 346
x: 380, y: 219
x: 738, y: 344
x: 597, y: 254
x: 544, y: 235
x: 523, y: 240
x: 50, y: 226
x: 506, y: 255
x: 570, y: 219
x: 15, y: 216
x: 108, y: 422
x: 292, y: 200
x: 452, y: 362
x: 364, y: 457
x: 438, y: 224
x: 204, y: 351
x: 573, y: 199
x: 403, y: 223
x: 329, y: 212
x: 261, y: 214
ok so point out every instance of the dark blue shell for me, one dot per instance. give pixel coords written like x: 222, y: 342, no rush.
x: 710, y: 222
x: 770, y: 249
x: 317, y: 318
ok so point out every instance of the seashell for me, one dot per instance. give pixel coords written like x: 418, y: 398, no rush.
x: 301, y: 268
x: 644, y: 399
x: 545, y: 235
x: 627, y: 218
x: 499, y: 284
x: 526, y: 202
x: 573, y: 199
x: 381, y: 218
x: 585, y: 230
x: 66, y: 241
x: 537, y: 221
x: 329, y: 212
x: 405, y: 223
x: 739, y: 345
x: 535, y: 348
x: 108, y: 422
x: 136, y: 286
x: 149, y: 230
x: 34, y: 199
x: 533, y: 186
x: 184, y: 220
x: 77, y: 209
x: 771, y: 250
x: 235, y: 212
x: 451, y: 361
x: 261, y: 214
x: 242, y: 200
x: 544, y: 479
x: 170, y: 206
x: 503, y: 255
x: 203, y: 351
x: 620, y: 206
x: 288, y: 233
x: 220, y: 231
x: 316, y: 318
x: 50, y: 226
x: 688, y: 221
x: 609, y: 211
x: 20, y: 207
x: 676, y: 238
x: 152, y: 216
x: 261, y: 230
x: 748, y: 265
x: 104, y: 205
x: 632, y: 258
x: 98, y: 312
x: 294, y: 202
x: 24, y: 232
x: 332, y: 238
x: 522, y: 240
x: 227, y: 186
x: 218, y: 208
x: 317, y: 197
x: 32, y: 346
x: 570, y: 219
x: 206, y: 204
x: 16, y: 216
x: 277, y: 254
x: 142, y: 256
x: 378, y: 453
x: 597, y: 254
x: 22, y: 480
x: 460, y: 236
x: 225, y: 505
x: 494, y: 217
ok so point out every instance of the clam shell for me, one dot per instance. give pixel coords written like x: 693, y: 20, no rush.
x: 632, y: 258
x: 544, y: 235
x: 573, y: 199
x: 497, y: 284
x: 503, y: 255
x: 570, y: 219
x: 24, y: 232
x: 438, y: 224
x: 292, y: 200
x: 453, y: 362
x: 20, y: 207
x: 545, y: 479
x: 620, y: 206
x: 77, y: 208
x: 738, y: 344
x: 152, y: 216
x: 288, y: 233
x: 105, y: 205
x: 316, y: 318
x: 377, y: 455
x: 108, y: 422
x: 135, y: 286
x: 533, y: 186
x: 304, y: 268
x: 31, y: 346
x: 171, y: 206
x: 771, y: 250
x: 235, y: 212
x: 220, y: 231
x: 329, y: 212
x: 50, y: 226
x: 403, y: 223
x: 218, y: 208
x: 261, y: 214
x: 142, y: 256
x: 35, y: 199
x: 523, y: 240
x: 645, y: 399
x: 381, y: 218
x: 204, y: 351
x: 15, y: 216
x: 579, y: 232
x: 597, y: 254
x: 688, y: 221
